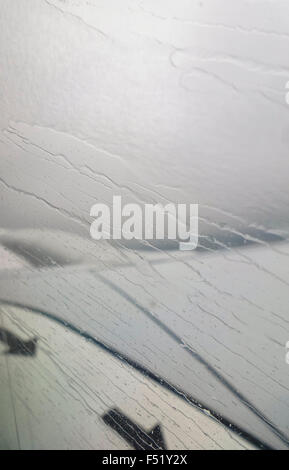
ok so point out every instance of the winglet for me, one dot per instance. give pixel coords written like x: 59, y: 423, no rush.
x: 23, y: 348
x: 157, y: 436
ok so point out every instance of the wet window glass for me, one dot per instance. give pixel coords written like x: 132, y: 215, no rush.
x: 144, y: 174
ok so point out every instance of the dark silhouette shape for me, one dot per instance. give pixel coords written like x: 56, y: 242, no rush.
x: 16, y: 345
x: 133, y: 434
